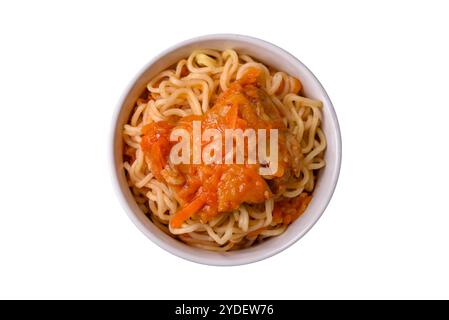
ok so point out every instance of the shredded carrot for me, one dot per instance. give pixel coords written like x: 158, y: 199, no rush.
x: 187, y: 211
x: 156, y: 145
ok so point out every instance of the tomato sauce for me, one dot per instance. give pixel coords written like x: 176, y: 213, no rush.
x: 208, y: 190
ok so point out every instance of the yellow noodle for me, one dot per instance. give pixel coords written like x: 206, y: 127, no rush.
x: 177, y: 93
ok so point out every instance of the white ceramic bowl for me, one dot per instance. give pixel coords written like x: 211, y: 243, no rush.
x: 280, y: 60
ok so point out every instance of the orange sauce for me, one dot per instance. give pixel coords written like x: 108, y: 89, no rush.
x: 208, y: 190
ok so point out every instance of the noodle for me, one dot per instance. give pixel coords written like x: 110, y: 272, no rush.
x: 191, y: 88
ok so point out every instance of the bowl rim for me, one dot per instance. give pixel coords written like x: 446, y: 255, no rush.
x: 116, y: 182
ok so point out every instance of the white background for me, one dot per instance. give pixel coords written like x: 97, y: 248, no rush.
x: 63, y: 67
